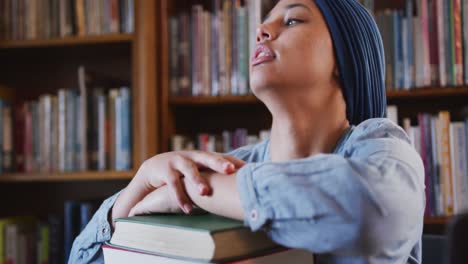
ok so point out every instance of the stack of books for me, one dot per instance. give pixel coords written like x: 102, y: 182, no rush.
x: 201, y: 238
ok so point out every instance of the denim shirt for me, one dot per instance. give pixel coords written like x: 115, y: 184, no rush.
x: 363, y: 203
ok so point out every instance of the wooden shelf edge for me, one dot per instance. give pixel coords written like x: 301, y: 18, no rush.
x: 67, y: 176
x: 214, y: 100
x: 67, y: 41
x: 436, y: 220
x: 427, y: 92
x: 250, y: 99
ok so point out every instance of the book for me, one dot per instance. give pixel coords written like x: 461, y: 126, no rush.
x: 201, y: 237
x: 115, y: 255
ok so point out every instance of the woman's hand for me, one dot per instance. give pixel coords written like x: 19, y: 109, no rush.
x: 168, y: 169
x: 158, y: 201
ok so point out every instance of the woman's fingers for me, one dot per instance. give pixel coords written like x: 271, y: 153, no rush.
x: 190, y: 171
x: 213, y: 161
x: 158, y: 201
x: 237, y: 162
x: 177, y: 189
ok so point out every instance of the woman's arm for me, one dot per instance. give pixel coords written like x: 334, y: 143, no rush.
x: 369, y: 199
x: 87, y: 246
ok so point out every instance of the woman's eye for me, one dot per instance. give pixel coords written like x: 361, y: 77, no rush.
x: 292, y: 22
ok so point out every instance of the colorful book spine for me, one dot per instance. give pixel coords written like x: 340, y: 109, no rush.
x: 458, y: 43
x: 446, y: 172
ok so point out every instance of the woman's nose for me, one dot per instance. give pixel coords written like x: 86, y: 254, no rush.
x: 264, y: 32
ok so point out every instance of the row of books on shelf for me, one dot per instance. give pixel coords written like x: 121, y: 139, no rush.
x: 27, y: 239
x: 209, y: 48
x: 70, y: 131
x: 443, y: 146
x: 426, y: 44
x: 198, y: 238
x: 224, y: 142
x: 44, y: 19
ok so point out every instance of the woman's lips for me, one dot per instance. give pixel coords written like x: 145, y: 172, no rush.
x: 262, y: 54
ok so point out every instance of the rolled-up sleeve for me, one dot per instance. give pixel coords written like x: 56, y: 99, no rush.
x: 367, y: 198
x: 87, y: 246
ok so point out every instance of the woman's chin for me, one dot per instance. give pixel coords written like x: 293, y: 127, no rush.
x: 262, y: 82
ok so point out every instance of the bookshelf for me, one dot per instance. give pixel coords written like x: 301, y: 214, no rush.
x: 67, y: 176
x: 34, y: 67
x: 68, y: 41
x: 213, y: 100
x: 436, y: 220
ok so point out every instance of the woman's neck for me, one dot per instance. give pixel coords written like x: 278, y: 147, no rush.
x: 301, y: 131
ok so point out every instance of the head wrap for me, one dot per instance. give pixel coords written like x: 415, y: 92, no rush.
x: 360, y: 58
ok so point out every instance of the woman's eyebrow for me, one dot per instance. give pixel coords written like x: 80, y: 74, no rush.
x: 287, y: 7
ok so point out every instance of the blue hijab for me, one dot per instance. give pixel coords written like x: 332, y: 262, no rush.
x: 360, y: 57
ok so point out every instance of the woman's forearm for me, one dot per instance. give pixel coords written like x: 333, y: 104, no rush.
x: 224, y: 200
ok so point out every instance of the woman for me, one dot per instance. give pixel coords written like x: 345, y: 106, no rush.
x: 335, y: 177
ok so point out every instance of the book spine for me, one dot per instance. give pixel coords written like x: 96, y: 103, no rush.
x: 43, y: 238
x: 242, y: 34
x: 206, y: 18
x: 113, y: 94
x: 441, y: 42
x: 102, y: 135
x: 62, y: 125
x: 446, y: 173
x: 56, y: 247
x: 465, y: 40
x: 11, y: 247
x: 458, y: 45
x: 69, y: 130
x: 214, y: 53
x: 36, y: 142
x: 434, y: 47
x: 126, y: 142
x: 409, y: 44
x: 228, y: 41
x: 83, y: 120
x: 19, y: 133
x: 425, y: 42
x: 86, y: 212
x: 71, y: 226
x: 234, y: 48
x: 28, y: 160
x: 405, y: 51
x: 449, y: 42
x: 119, y: 160
x: 7, y: 138
x: 174, y: 56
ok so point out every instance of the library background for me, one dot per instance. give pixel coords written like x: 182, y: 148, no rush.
x: 90, y: 89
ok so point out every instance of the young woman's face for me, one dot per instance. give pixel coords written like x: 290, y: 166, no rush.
x: 294, y: 50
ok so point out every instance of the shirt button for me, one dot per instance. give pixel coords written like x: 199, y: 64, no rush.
x: 253, y: 215
x: 104, y: 230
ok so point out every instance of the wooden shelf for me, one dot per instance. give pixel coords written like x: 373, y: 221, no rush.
x: 436, y: 220
x: 428, y: 92
x: 250, y: 99
x: 213, y: 100
x: 67, y: 41
x: 67, y: 176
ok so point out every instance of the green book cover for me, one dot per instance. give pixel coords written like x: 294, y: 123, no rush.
x: 201, y: 222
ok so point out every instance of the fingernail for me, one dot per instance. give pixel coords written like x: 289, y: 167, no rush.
x: 229, y: 167
x: 201, y: 188
x: 187, y: 208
